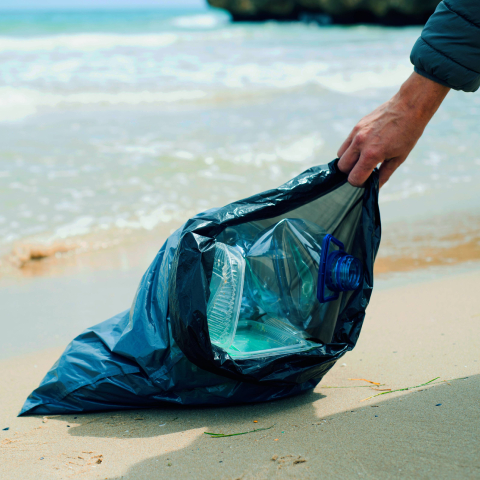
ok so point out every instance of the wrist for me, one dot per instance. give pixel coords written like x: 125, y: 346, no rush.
x: 421, y: 96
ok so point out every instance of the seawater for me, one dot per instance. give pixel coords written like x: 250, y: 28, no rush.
x: 121, y: 121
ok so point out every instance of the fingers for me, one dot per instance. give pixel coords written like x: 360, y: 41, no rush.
x: 349, y: 158
x: 359, y: 155
x: 388, y: 167
x: 346, y: 144
x: 363, y: 168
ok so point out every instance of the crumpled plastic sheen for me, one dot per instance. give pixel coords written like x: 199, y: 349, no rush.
x: 159, y: 351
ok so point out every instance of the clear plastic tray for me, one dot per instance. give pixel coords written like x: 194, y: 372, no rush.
x: 226, y: 289
x: 255, y: 339
x: 282, y: 324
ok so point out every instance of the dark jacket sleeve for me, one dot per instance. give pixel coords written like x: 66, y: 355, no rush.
x: 448, y: 51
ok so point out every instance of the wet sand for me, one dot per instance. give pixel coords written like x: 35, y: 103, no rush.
x: 407, y: 245
x: 438, y: 240
x: 411, y: 335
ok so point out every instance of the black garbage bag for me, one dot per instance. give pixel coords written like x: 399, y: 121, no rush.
x: 160, y: 350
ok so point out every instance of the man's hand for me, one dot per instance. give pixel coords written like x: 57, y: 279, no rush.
x: 389, y: 133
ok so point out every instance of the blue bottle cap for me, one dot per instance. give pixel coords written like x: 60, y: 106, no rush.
x: 338, y: 271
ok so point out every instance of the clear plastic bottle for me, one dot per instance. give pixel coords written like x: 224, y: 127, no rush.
x: 294, y: 268
x: 293, y: 272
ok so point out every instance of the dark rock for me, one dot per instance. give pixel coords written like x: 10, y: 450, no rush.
x: 259, y: 10
x: 384, y: 12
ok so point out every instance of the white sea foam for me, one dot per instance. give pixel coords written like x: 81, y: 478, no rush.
x: 408, y: 190
x: 148, y: 221
x: 18, y: 103
x: 300, y: 150
x: 276, y: 75
x: 184, y: 155
x: 80, y: 226
x: 85, y: 225
x: 200, y: 21
x: 86, y: 42
x: 355, y: 81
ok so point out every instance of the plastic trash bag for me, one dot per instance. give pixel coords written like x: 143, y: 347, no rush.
x: 168, y: 348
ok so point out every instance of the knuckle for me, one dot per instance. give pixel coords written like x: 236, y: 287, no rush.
x: 360, y: 137
x: 371, y: 155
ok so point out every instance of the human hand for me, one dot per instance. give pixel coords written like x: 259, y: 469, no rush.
x: 388, y: 134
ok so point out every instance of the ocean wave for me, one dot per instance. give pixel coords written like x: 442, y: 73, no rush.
x: 216, y: 82
x: 353, y: 82
x: 407, y: 190
x: 86, y: 233
x: 18, y: 103
x: 86, y: 42
x: 300, y: 150
x: 207, y: 20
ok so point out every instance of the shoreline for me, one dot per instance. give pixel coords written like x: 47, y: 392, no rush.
x: 64, y: 294
x: 406, y: 246
x: 412, y: 334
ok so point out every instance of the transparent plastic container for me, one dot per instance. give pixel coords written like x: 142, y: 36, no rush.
x: 282, y: 324
x: 295, y: 271
x: 226, y: 289
x: 255, y: 339
x: 282, y: 270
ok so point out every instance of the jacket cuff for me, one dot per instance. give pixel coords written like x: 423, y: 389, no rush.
x: 423, y: 73
x: 436, y: 66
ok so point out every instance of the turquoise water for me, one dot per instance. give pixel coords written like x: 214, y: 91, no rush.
x: 131, y: 121
x: 54, y: 22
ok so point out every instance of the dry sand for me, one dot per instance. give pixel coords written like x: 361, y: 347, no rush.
x: 411, y: 335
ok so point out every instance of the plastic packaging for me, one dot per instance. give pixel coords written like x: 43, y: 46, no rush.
x: 159, y: 350
x: 254, y: 339
x: 226, y: 288
x: 292, y: 268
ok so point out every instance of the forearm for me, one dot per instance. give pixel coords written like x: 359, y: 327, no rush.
x: 421, y: 97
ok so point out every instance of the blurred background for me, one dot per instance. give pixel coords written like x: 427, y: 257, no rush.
x: 120, y: 120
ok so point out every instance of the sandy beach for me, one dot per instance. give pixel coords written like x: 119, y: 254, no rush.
x: 117, y: 127
x: 413, y: 333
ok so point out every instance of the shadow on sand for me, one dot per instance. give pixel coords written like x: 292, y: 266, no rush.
x: 432, y: 433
